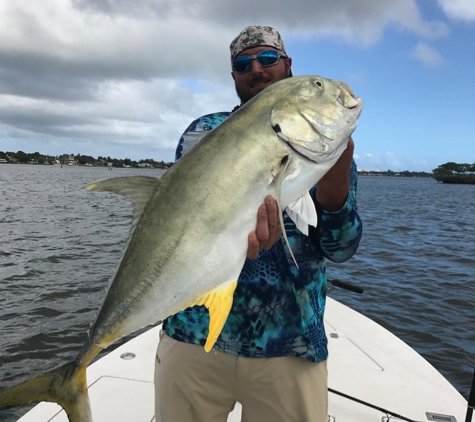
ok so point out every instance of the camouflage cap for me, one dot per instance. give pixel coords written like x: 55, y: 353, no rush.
x: 255, y: 36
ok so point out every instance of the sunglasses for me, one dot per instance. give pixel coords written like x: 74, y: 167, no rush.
x: 265, y: 58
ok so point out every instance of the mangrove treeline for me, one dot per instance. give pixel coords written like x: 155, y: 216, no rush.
x: 455, y: 173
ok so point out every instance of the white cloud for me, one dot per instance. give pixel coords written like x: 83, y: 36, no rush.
x: 115, y: 71
x: 459, y: 9
x: 150, y: 114
x: 427, y: 55
x: 391, y: 161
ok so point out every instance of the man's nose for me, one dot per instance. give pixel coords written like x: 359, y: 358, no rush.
x: 256, y: 66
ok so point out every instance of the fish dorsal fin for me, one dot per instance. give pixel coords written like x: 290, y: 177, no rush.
x: 219, y: 302
x: 278, y: 188
x: 137, y: 189
x: 303, y: 213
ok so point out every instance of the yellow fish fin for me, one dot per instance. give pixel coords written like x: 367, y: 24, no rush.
x: 65, y: 385
x: 219, y: 302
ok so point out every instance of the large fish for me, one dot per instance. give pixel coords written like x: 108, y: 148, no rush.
x: 189, y: 236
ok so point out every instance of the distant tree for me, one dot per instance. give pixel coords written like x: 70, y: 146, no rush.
x: 448, y: 168
x: 37, y: 157
x: 21, y: 157
x: 117, y: 163
x: 85, y: 159
x: 63, y: 158
x: 465, y: 168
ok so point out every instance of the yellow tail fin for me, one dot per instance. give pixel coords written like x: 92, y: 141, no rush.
x: 65, y: 385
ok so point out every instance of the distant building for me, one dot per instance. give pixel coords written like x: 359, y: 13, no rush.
x: 3, y: 161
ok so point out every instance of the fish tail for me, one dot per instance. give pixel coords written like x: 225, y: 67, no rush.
x: 65, y: 385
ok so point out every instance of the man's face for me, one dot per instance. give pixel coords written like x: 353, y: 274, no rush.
x: 249, y: 84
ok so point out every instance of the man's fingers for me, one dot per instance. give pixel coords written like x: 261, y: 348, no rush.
x: 268, y: 223
x: 276, y: 222
x: 254, y: 246
x: 262, y: 227
x: 272, y: 220
x: 268, y: 229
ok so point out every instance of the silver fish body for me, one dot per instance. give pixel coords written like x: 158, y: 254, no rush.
x: 188, y: 243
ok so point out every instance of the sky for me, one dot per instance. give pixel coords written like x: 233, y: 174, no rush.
x: 125, y: 78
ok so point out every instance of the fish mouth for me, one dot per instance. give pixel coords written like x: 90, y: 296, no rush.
x: 347, y: 99
x: 357, y: 101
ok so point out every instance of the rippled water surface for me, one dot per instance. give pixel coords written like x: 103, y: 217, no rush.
x: 60, y: 244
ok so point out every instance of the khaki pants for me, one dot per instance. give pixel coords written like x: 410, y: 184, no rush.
x: 194, y: 386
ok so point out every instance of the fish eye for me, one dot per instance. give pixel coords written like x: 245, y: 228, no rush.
x: 318, y: 83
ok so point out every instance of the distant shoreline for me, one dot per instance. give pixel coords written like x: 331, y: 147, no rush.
x: 441, y: 174
x: 460, y: 179
x: 21, y: 157
x: 115, y: 165
x: 390, y: 173
x: 429, y: 176
x: 82, y: 165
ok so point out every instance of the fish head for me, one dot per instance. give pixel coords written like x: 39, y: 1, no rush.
x: 316, y: 116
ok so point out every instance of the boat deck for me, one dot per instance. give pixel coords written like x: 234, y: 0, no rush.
x: 366, y: 361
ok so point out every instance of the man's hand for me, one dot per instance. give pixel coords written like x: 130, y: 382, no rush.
x: 332, y: 189
x: 267, y: 230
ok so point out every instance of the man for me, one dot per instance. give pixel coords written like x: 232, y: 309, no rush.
x: 271, y: 354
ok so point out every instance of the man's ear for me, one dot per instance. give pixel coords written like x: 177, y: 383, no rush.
x: 288, y: 64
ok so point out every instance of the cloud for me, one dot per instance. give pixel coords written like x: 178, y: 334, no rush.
x: 391, y: 161
x: 121, y: 73
x: 382, y: 162
x: 427, y: 55
x: 151, y: 114
x: 358, y: 21
x: 459, y: 9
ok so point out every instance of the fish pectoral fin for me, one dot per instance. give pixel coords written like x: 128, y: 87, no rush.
x: 303, y: 213
x: 137, y: 189
x: 277, y: 182
x: 219, y: 302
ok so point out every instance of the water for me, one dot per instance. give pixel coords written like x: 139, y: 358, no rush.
x: 60, y: 244
x: 416, y: 262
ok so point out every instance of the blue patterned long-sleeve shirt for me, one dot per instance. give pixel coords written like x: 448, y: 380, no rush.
x: 277, y: 308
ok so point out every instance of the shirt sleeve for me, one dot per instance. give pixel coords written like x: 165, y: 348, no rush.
x: 197, y: 129
x: 339, y: 233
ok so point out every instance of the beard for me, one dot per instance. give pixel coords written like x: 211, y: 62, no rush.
x: 244, y: 93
